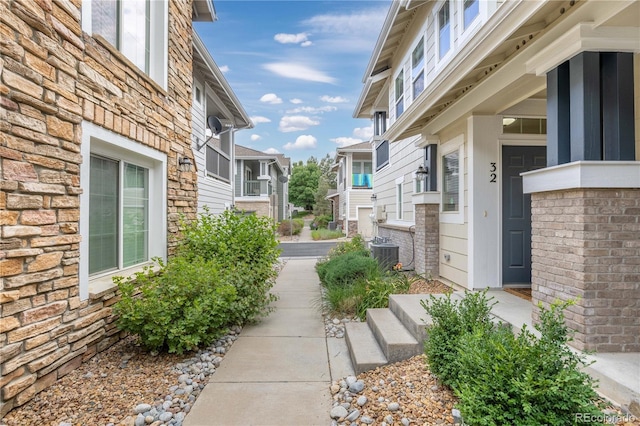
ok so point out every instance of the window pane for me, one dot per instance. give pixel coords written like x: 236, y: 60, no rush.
x: 225, y: 168
x: 418, y: 85
x: 135, y: 215
x: 104, y: 20
x: 450, y: 195
x: 444, y: 32
x: 417, y: 57
x: 103, y: 215
x: 399, y: 200
x: 471, y: 10
x: 382, y: 154
x: 135, y: 30
x: 400, y: 85
x: 367, y: 167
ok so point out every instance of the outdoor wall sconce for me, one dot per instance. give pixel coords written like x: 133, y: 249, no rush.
x: 422, y: 172
x: 184, y: 164
x: 374, y: 197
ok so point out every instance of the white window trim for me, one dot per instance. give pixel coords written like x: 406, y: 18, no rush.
x: 422, y: 37
x: 446, y: 148
x: 467, y: 33
x: 400, y: 198
x: 158, y: 38
x: 397, y: 100
x: 440, y: 62
x: 98, y: 140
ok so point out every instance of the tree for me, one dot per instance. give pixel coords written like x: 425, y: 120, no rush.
x: 322, y: 206
x: 303, y: 184
x: 325, y: 169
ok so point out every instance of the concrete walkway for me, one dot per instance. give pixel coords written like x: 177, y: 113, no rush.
x: 278, y: 371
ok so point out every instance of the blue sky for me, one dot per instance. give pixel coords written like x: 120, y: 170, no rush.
x: 296, y: 67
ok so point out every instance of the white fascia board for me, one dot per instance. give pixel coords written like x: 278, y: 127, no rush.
x: 582, y: 38
x: 583, y: 174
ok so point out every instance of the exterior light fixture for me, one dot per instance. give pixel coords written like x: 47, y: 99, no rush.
x: 422, y: 172
x: 184, y: 163
x: 374, y: 197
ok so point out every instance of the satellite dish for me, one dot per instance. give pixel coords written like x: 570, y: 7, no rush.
x: 214, y: 124
x: 283, y: 179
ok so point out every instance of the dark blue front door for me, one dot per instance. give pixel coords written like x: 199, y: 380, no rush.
x: 516, y: 211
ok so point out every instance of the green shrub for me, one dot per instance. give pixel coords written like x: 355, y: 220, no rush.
x: 285, y: 227
x: 321, y: 222
x: 343, y: 299
x: 357, y: 244
x: 183, y: 306
x: 378, y: 289
x: 346, y: 269
x: 325, y: 234
x: 524, y: 380
x: 245, y: 248
x: 450, y: 321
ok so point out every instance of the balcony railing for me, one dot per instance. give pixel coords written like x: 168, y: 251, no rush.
x: 362, y: 180
x: 255, y: 188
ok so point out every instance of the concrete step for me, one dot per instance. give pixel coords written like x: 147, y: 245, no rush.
x: 410, y: 312
x: 396, y: 341
x: 364, y: 350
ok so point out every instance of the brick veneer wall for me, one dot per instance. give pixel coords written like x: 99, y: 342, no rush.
x: 52, y: 78
x: 427, y: 239
x: 403, y: 239
x: 586, y: 245
x: 261, y: 208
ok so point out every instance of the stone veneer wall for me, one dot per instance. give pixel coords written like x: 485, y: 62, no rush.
x: 261, y: 208
x: 403, y: 238
x: 586, y: 245
x: 52, y: 78
x: 427, y: 240
x: 353, y: 228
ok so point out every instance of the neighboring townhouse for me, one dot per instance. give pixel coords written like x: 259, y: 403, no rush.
x: 527, y: 118
x: 262, y: 183
x: 354, y: 180
x: 216, y: 115
x: 96, y: 135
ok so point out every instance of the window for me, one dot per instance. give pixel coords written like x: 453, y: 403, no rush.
x: 399, y: 200
x: 218, y: 164
x: 531, y: 126
x: 382, y: 154
x: 399, y: 94
x: 137, y: 28
x: 362, y: 176
x: 123, y: 203
x: 451, y: 182
x: 471, y: 11
x: 444, y: 29
x: 197, y: 95
x: 417, y: 68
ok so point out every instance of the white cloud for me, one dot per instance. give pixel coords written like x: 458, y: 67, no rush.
x: 345, y: 141
x: 296, y: 101
x: 291, y: 38
x: 306, y: 43
x: 271, y: 151
x: 257, y: 119
x: 294, y: 123
x: 224, y: 69
x: 312, y: 110
x: 302, y: 142
x: 333, y: 99
x: 298, y: 71
x: 363, y: 132
x: 255, y: 137
x: 350, y: 31
x: 271, y: 98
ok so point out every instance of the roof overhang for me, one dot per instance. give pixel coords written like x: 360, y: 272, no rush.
x: 203, y: 11
x: 230, y: 106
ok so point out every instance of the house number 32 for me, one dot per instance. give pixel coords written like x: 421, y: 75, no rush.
x: 492, y: 173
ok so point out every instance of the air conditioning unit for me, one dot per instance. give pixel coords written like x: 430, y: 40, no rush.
x: 381, y: 214
x: 386, y: 254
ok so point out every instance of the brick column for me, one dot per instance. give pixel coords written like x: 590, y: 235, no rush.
x: 427, y: 239
x: 586, y: 246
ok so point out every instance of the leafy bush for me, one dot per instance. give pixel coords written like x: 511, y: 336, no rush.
x: 501, y: 378
x: 285, y: 227
x: 343, y: 299
x: 378, y: 289
x: 220, y: 277
x: 357, y: 244
x: 321, y: 222
x: 325, y: 234
x: 346, y: 269
x: 245, y: 247
x: 450, y: 321
x: 183, y: 306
